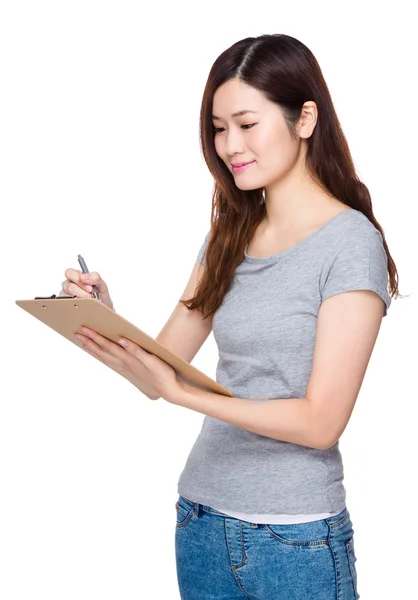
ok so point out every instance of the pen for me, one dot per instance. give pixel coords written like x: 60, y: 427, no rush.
x: 84, y: 268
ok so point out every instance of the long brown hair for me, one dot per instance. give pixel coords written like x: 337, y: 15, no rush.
x: 287, y: 73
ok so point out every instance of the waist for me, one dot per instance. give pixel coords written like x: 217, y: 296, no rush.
x: 277, y: 519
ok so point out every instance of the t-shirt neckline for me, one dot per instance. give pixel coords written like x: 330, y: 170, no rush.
x: 299, y: 245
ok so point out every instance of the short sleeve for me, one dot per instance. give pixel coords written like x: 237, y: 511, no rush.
x: 201, y: 254
x: 359, y: 263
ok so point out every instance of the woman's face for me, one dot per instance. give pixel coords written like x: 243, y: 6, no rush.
x: 260, y: 137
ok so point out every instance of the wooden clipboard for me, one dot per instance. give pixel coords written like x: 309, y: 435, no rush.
x: 66, y: 315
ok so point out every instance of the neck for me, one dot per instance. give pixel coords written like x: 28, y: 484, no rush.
x: 295, y: 200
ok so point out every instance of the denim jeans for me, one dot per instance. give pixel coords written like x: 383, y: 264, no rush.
x: 223, y: 558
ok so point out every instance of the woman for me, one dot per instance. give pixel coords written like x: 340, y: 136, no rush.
x: 293, y: 279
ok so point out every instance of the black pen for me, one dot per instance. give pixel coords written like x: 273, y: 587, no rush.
x: 84, y: 268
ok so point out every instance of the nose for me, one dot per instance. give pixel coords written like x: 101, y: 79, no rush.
x: 234, y: 143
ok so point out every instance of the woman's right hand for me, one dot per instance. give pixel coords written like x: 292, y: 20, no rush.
x: 80, y: 284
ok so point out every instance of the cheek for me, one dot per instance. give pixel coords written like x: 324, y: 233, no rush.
x: 278, y: 149
x: 218, y: 146
x: 267, y: 141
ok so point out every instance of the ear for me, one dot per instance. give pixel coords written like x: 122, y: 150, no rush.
x: 307, y: 120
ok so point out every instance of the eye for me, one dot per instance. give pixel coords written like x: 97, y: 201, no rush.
x: 245, y: 126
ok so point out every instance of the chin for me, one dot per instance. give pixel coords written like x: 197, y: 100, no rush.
x: 248, y: 185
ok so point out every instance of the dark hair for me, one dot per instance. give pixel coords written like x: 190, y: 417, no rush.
x: 287, y: 73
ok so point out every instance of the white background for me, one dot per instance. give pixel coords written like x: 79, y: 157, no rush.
x: 100, y: 156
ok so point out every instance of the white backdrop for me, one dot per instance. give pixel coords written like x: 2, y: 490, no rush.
x: 100, y: 156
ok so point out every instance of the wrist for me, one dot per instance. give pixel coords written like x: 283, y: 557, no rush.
x: 145, y: 389
x: 179, y: 394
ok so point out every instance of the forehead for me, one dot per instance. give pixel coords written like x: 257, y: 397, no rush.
x: 235, y: 95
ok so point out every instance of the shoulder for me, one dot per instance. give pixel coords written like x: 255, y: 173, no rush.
x: 354, y: 236
x: 356, y: 258
x: 352, y: 224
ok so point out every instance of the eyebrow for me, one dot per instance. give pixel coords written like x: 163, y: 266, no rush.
x: 237, y: 114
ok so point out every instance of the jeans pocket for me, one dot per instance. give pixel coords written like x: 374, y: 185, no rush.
x: 352, y: 563
x: 184, y: 510
x: 314, y: 533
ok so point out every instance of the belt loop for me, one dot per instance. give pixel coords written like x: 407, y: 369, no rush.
x: 196, y: 509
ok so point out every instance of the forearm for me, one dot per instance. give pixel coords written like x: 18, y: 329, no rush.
x: 142, y: 386
x: 149, y: 392
x: 287, y: 419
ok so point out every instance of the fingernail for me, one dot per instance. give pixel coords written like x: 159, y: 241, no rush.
x: 123, y: 343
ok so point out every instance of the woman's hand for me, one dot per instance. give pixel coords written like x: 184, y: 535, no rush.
x: 81, y: 285
x: 127, y: 358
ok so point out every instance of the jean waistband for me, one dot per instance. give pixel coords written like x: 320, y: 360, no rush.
x: 197, y: 507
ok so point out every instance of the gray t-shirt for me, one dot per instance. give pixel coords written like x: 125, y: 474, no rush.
x: 265, y: 331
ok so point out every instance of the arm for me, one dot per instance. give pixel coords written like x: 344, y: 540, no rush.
x: 185, y: 331
x: 347, y: 329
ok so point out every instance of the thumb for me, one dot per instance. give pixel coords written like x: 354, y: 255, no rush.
x: 95, y: 279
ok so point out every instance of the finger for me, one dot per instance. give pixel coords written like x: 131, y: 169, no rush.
x: 93, y: 348
x: 120, y: 364
x: 75, y: 290
x: 74, y: 277
x: 66, y: 284
x: 64, y: 291
x: 102, y: 342
x: 86, y: 340
x: 93, y: 278
x: 96, y: 353
x: 71, y: 289
x: 134, y: 349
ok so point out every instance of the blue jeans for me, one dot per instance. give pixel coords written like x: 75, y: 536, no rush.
x: 219, y: 557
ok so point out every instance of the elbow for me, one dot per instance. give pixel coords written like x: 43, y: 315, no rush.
x: 326, y: 444
x: 316, y: 441
x: 326, y: 433
x: 324, y: 440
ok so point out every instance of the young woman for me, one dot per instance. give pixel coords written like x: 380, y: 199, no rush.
x: 294, y: 278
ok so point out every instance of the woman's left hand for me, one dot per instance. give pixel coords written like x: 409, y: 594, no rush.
x: 133, y: 360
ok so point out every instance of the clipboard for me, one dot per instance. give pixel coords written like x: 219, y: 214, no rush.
x: 66, y: 315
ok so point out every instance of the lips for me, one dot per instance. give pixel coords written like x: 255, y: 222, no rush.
x: 237, y: 165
